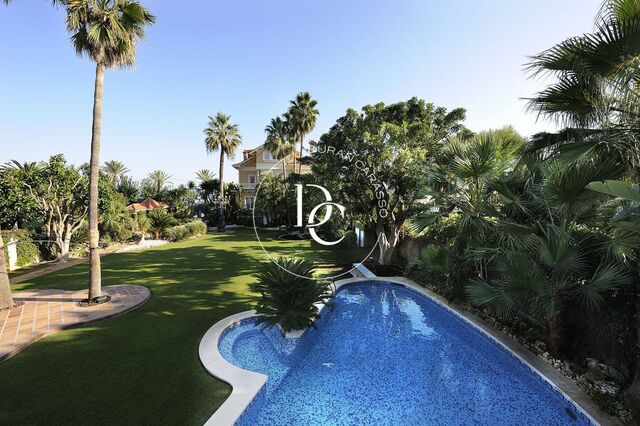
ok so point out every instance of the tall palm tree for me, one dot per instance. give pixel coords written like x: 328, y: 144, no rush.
x: 107, y: 31
x: 158, y: 178
x: 304, y: 115
x: 222, y: 135
x: 278, y: 142
x: 6, y: 301
x: 205, y: 175
x: 114, y: 170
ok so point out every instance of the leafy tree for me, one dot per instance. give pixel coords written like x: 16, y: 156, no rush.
x: 15, y: 208
x: 129, y: 188
x: 60, y: 193
x: 378, y: 159
x: 301, y: 119
x: 107, y: 32
x: 224, y: 136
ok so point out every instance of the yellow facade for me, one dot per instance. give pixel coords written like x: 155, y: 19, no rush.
x: 256, y: 164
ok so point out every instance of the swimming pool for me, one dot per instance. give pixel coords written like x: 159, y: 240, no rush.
x: 384, y: 354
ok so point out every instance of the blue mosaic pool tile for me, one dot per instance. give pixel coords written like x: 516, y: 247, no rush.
x: 387, y: 355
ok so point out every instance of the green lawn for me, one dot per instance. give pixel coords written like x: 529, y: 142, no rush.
x: 142, y: 367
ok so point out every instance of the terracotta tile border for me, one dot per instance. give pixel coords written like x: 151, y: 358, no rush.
x: 120, y: 303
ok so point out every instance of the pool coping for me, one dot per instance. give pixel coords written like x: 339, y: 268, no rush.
x: 247, y: 384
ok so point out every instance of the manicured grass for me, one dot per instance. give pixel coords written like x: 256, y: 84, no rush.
x: 142, y: 367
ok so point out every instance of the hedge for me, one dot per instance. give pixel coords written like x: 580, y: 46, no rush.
x: 188, y: 230
x: 28, y: 252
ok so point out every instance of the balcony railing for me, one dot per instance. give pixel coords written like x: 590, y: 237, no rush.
x: 248, y: 185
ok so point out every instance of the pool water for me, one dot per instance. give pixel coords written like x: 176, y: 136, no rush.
x: 383, y: 354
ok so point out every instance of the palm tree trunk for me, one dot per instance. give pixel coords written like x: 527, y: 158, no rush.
x: 300, y: 162
x: 95, y: 277
x: 221, y: 224
x: 6, y: 301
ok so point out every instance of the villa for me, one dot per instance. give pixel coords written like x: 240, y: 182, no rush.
x: 259, y: 162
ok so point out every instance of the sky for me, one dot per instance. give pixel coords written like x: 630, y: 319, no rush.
x: 248, y: 58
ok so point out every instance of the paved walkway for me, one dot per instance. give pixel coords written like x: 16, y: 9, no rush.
x: 53, y: 267
x: 48, y: 311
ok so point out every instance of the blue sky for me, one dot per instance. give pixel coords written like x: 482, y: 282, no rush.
x: 248, y: 58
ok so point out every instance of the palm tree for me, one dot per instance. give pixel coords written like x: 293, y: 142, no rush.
x: 596, y: 87
x: 108, y: 32
x: 115, y: 170
x: 278, y: 142
x: 27, y: 168
x: 222, y: 135
x: 159, y: 179
x: 304, y: 115
x: 6, y: 301
x: 205, y: 175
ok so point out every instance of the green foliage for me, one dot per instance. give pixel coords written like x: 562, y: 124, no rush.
x: 349, y: 239
x: 286, y: 299
x: 117, y: 223
x: 188, y: 230
x: 160, y: 220
x: 397, y: 144
x: 27, y: 251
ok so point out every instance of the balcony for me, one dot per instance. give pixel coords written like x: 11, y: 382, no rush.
x: 248, y: 186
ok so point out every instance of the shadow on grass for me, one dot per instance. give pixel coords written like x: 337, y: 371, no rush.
x: 142, y: 367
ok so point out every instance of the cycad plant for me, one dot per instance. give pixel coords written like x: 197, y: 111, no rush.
x: 288, y: 295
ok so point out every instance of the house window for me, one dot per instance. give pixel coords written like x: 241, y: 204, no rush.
x: 248, y: 202
x: 252, y: 179
x: 266, y: 155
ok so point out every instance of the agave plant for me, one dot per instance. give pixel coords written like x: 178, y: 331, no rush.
x: 288, y: 297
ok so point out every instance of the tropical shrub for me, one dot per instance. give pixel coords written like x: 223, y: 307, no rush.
x: 286, y: 299
x: 160, y: 222
x: 188, y: 230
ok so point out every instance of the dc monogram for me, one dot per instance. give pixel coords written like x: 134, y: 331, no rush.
x: 311, y: 221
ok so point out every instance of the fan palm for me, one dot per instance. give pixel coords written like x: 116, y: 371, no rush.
x: 114, y: 170
x: 543, y: 278
x: 596, y: 88
x: 106, y: 31
x: 302, y: 119
x: 158, y: 178
x: 278, y: 142
x: 224, y: 136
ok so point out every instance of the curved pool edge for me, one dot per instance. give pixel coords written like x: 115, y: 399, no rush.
x: 247, y: 384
